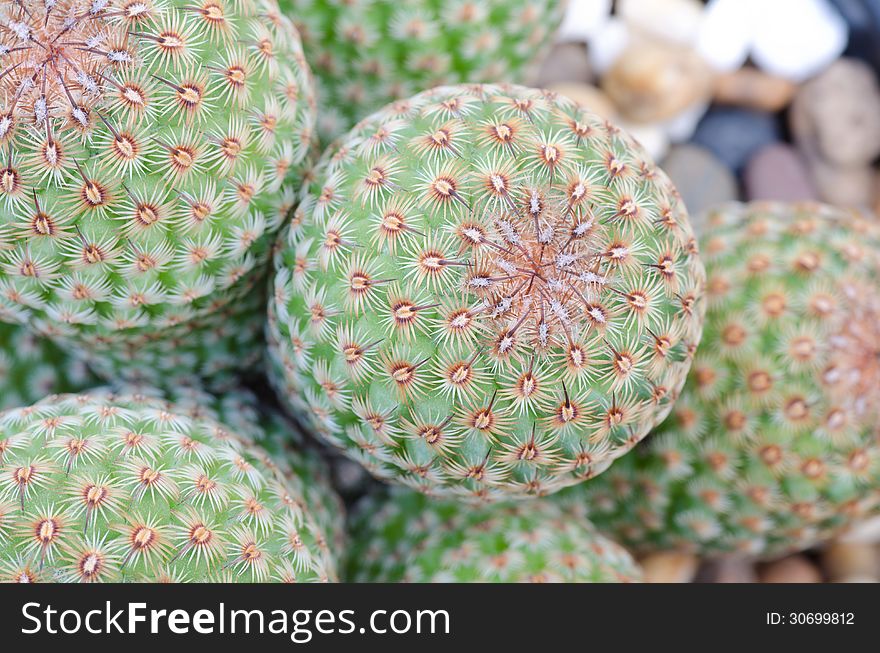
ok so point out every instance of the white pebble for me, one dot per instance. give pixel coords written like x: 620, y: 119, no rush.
x: 725, y: 34
x: 608, y: 45
x: 677, y: 21
x: 584, y: 19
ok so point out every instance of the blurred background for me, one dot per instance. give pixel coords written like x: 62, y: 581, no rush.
x: 748, y: 100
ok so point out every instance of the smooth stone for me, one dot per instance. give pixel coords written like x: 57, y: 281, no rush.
x: 588, y: 97
x: 653, y: 81
x: 796, y: 39
x: 735, y: 134
x: 669, y: 567
x: 567, y: 62
x: 794, y: 569
x: 836, y: 116
x: 754, y: 89
x: 584, y: 19
x: 681, y: 128
x: 863, y: 19
x: 608, y: 44
x: 724, y: 37
x: 846, y: 186
x: 844, y: 560
x: 728, y: 570
x: 676, y: 21
x: 702, y: 180
x: 777, y: 172
x: 650, y: 135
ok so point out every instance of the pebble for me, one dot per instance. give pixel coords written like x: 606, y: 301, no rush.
x: 651, y: 136
x: 735, y: 134
x: 863, y: 19
x: 608, y: 44
x: 567, y: 62
x: 653, y: 81
x: 836, y: 116
x: 754, y: 89
x: 584, y: 19
x: 796, y: 39
x: 669, y: 567
x: 793, y: 569
x: 728, y: 570
x: 777, y: 172
x: 848, y: 186
x: 677, y: 21
x: 587, y: 96
x: 680, y: 128
x: 725, y: 34
x: 701, y: 178
x: 842, y: 560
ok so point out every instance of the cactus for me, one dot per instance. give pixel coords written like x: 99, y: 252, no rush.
x: 150, y: 152
x: 32, y: 367
x: 773, y: 444
x: 126, y: 488
x: 407, y: 537
x: 489, y: 292
x: 367, y: 53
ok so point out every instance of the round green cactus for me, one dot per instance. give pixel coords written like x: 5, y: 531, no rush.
x: 407, y: 537
x: 367, y: 53
x: 489, y: 292
x: 149, y: 155
x: 119, y: 488
x: 773, y: 444
x: 32, y: 367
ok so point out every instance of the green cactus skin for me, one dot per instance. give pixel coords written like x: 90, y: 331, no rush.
x: 407, y: 537
x: 773, y: 445
x: 120, y: 488
x: 367, y: 53
x: 32, y: 367
x: 489, y: 292
x: 146, y: 174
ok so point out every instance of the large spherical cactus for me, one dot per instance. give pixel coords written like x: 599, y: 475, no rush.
x: 148, y: 154
x: 367, y: 53
x: 32, y: 367
x: 773, y: 444
x: 407, y: 537
x: 489, y: 292
x: 126, y: 488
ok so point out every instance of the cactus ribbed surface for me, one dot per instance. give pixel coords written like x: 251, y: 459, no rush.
x: 773, y: 444
x: 367, y: 53
x: 149, y: 154
x: 32, y: 367
x: 489, y: 292
x: 407, y: 537
x: 112, y: 487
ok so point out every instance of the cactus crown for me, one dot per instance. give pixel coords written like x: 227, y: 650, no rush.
x: 488, y: 289
x: 145, y: 146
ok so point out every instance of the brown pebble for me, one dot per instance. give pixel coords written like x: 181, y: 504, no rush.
x: 846, y: 186
x: 842, y: 560
x: 669, y: 567
x: 777, y: 172
x: 750, y: 88
x: 567, y: 62
x: 728, y: 570
x: 654, y: 81
x: 794, y: 569
x: 588, y: 97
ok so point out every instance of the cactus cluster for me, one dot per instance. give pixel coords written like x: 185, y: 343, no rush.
x: 367, y: 53
x: 408, y: 537
x: 773, y: 445
x: 489, y: 292
x: 109, y: 487
x: 150, y: 151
